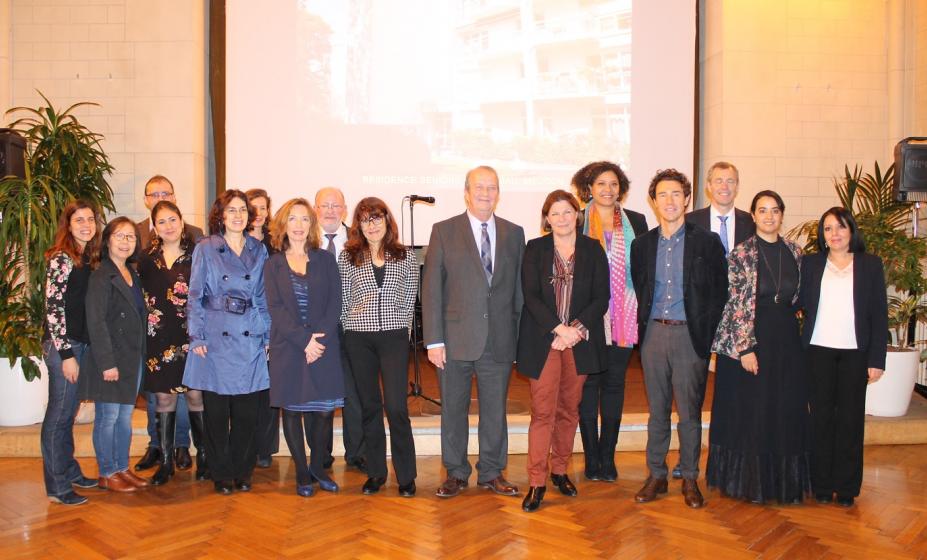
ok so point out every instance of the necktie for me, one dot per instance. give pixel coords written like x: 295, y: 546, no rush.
x: 486, y: 253
x: 723, y: 233
x: 331, y: 242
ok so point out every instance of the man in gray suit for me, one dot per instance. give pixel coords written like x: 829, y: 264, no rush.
x: 471, y: 300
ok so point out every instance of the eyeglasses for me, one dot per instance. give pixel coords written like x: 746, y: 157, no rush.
x: 160, y: 195
x: 372, y: 220
x: 124, y: 236
x: 331, y: 206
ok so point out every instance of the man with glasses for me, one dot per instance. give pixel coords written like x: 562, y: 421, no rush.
x: 156, y: 189
x: 331, y: 211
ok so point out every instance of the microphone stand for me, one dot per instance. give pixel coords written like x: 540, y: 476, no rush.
x: 415, y: 386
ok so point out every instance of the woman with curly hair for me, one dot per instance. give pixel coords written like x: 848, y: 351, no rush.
x: 379, y: 280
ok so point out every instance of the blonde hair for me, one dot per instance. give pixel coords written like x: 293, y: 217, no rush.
x: 278, y: 237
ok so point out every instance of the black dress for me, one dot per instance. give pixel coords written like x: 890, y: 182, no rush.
x: 759, y: 441
x: 166, y: 296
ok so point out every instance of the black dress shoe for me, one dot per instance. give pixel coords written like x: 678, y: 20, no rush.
x: 358, y: 463
x: 372, y: 486
x: 224, y: 487
x: 592, y: 474
x: 151, y: 458
x: 824, y: 498
x: 182, y: 459
x: 534, y: 498
x: 264, y: 461
x: 243, y: 485
x: 845, y: 501
x: 84, y: 482
x: 407, y: 490
x: 563, y: 484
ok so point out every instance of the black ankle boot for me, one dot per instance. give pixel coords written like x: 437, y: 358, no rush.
x: 533, y: 500
x: 165, y: 422
x: 198, y: 431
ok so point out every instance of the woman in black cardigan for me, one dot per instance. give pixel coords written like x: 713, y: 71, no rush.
x: 845, y: 332
x: 304, y: 301
x: 116, y: 324
x: 561, y: 339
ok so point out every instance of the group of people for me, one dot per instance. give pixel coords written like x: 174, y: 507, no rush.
x: 282, y: 318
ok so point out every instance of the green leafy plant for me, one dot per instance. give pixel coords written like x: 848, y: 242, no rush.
x: 63, y: 162
x: 900, y: 312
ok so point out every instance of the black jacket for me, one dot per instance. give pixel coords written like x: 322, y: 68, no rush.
x: 743, y: 223
x: 704, y: 282
x: 117, y: 337
x: 870, y: 307
x: 588, y: 304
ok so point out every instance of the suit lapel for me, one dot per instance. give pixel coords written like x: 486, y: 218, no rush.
x: 547, y: 270
x: 119, y: 282
x: 465, y: 234
x: 498, y: 263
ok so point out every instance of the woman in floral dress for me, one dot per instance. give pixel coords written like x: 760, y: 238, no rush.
x: 165, y: 274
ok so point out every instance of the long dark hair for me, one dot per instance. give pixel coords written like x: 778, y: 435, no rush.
x: 186, y: 244
x: 857, y: 243
x: 217, y: 213
x: 585, y: 178
x: 65, y: 242
x: 357, y: 247
x: 108, y: 232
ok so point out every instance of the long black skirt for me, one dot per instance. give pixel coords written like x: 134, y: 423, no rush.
x: 760, y: 435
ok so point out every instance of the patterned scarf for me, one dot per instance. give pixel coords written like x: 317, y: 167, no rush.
x: 621, y: 318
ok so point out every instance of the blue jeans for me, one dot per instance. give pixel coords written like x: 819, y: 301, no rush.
x: 112, y: 436
x: 58, y: 463
x: 181, y: 429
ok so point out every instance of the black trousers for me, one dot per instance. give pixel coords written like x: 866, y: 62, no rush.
x: 385, y: 353
x: 230, y: 425
x: 352, y: 417
x: 838, y: 380
x: 267, y: 433
x: 603, y: 394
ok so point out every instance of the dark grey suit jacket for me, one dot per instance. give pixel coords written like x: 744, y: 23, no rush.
x: 743, y: 223
x: 143, y: 230
x: 459, y: 308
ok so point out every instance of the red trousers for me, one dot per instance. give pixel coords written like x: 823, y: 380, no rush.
x: 555, y: 397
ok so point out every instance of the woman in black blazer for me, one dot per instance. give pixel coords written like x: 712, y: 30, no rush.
x: 379, y: 280
x: 602, y: 185
x: 561, y: 337
x: 846, y: 334
x: 304, y: 300
x: 117, y: 318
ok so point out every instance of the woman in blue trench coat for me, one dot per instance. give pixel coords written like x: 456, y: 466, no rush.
x: 229, y: 327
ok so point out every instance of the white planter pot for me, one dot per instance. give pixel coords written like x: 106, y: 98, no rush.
x: 891, y: 395
x: 22, y: 402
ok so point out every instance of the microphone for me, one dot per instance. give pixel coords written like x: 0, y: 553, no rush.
x: 413, y: 198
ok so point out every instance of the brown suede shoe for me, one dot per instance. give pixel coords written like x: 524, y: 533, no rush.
x: 652, y: 487
x: 116, y: 483
x: 450, y: 487
x: 133, y: 479
x: 691, y: 494
x: 500, y: 485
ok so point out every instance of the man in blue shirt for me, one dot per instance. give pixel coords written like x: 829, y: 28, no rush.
x: 680, y: 277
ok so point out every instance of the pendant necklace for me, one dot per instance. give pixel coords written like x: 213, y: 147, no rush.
x: 778, y: 282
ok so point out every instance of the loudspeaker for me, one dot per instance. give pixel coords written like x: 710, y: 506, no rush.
x: 911, y: 170
x: 12, y: 153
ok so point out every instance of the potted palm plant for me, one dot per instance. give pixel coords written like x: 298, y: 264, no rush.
x: 885, y: 224
x: 63, y: 161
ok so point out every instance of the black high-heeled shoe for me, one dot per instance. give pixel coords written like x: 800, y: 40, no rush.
x: 534, y: 498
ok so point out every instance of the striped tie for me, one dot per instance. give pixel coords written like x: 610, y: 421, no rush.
x: 486, y: 253
x: 331, y: 242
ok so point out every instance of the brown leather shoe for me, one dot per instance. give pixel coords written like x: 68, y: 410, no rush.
x: 133, y: 479
x: 116, y: 483
x: 450, y: 487
x: 501, y: 486
x: 691, y: 494
x: 652, y: 487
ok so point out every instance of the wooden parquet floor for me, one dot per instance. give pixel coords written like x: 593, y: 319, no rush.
x: 185, y: 519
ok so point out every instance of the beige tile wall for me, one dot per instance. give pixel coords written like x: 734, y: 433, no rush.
x: 143, y: 61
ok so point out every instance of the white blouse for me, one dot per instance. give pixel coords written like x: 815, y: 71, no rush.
x: 835, y: 325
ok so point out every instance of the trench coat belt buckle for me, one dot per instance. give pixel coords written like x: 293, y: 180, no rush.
x: 673, y: 322
x: 230, y: 304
